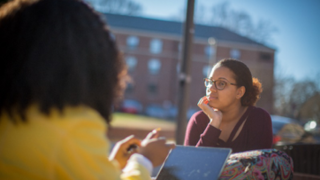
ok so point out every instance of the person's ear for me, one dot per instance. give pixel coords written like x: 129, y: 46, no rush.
x: 240, y: 92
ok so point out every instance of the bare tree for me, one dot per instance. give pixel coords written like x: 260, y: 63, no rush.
x: 263, y: 31
x: 241, y: 23
x: 282, y: 91
x: 310, y: 110
x: 127, y: 7
x: 297, y: 99
x: 300, y: 93
x: 199, y: 15
x: 221, y: 15
x: 238, y: 21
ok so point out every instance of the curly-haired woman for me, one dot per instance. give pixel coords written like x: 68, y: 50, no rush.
x: 229, y: 117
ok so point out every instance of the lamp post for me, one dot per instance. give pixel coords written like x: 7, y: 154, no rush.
x: 213, y: 43
x: 184, y: 76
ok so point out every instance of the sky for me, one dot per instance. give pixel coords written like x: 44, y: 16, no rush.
x: 297, y: 39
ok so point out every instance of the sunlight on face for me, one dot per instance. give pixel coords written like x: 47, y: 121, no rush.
x: 222, y: 73
x: 226, y: 96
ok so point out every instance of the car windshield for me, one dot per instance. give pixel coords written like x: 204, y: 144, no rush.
x: 276, y: 126
x: 278, y: 122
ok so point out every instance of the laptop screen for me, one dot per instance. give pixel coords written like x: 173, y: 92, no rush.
x: 192, y: 163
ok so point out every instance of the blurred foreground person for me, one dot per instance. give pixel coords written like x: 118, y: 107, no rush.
x: 60, y: 75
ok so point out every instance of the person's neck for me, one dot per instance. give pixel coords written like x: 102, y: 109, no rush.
x: 233, y: 113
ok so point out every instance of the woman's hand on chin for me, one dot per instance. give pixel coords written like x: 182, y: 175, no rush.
x: 213, y: 114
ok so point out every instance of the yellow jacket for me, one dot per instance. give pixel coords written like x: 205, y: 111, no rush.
x: 71, y: 145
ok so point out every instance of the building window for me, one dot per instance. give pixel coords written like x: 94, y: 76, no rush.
x: 112, y: 36
x: 235, y: 54
x: 209, y: 51
x: 154, y: 66
x: 131, y: 63
x: 265, y: 56
x: 180, y: 47
x: 178, y: 67
x: 155, y: 46
x: 206, y: 70
x: 152, y: 89
x: 132, y: 42
x: 129, y: 89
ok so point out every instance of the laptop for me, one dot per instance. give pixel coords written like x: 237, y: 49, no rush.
x: 193, y: 163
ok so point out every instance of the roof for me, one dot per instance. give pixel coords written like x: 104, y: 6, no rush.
x: 175, y: 28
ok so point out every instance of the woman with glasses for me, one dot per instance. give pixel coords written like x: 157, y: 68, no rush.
x: 229, y: 117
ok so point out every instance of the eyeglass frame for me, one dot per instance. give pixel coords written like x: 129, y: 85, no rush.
x: 214, y: 83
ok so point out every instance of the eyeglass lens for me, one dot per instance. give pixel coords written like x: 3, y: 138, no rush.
x: 219, y: 84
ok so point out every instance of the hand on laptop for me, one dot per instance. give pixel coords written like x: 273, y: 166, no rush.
x: 154, y: 148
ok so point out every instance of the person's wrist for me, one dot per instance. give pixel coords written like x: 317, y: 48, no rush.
x: 214, y: 122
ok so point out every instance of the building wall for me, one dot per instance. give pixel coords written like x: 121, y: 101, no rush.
x: 260, y: 61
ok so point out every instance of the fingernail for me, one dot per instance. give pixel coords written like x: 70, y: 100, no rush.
x: 156, y: 130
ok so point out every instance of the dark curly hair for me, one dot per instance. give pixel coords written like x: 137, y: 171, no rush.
x: 244, y: 78
x: 56, y: 53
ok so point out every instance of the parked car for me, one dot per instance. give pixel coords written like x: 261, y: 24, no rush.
x: 155, y: 110
x: 131, y: 106
x: 191, y: 111
x: 288, y: 131
x: 172, y: 112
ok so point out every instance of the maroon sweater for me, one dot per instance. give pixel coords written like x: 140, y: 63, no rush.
x: 255, y: 134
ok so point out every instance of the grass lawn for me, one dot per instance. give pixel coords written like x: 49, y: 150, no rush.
x: 140, y: 122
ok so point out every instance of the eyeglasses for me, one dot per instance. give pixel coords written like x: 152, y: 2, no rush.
x: 219, y: 84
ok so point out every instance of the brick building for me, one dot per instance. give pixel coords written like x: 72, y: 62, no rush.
x: 152, y: 49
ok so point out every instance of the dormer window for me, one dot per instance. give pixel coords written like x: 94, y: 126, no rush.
x: 265, y: 56
x: 132, y: 42
x: 235, y: 54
